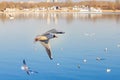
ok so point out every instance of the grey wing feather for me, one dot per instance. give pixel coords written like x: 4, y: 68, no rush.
x: 52, y: 31
x: 24, y: 62
x: 49, y: 53
x: 48, y: 49
x: 46, y: 34
x: 55, y: 31
x: 28, y: 72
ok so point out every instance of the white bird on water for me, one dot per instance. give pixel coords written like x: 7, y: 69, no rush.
x: 99, y: 59
x: 84, y: 60
x: 106, y: 49
x: 44, y: 39
x: 108, y: 70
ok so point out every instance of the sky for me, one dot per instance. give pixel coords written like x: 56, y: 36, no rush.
x: 51, y: 0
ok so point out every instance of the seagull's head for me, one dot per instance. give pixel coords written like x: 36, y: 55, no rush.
x: 36, y: 39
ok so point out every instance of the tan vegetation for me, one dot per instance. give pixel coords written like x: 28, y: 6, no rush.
x: 105, y: 5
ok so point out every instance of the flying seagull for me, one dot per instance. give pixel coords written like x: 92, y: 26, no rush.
x: 27, y: 69
x: 44, y: 39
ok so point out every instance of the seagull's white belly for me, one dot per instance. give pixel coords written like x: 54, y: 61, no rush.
x: 24, y: 67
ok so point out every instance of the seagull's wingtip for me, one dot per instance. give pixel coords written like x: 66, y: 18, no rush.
x: 51, y: 58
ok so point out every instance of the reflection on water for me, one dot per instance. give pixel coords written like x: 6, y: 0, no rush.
x: 69, y: 17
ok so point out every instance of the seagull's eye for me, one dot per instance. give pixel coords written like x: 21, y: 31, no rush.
x: 54, y: 36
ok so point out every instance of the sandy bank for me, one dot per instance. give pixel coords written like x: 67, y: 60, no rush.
x: 109, y: 11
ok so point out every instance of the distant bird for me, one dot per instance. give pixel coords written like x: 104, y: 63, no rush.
x: 26, y: 68
x: 108, y: 70
x: 84, y: 60
x: 44, y: 39
x: 99, y: 59
x: 106, y: 49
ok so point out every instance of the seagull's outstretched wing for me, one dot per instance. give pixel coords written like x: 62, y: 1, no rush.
x: 48, y: 49
x: 55, y: 31
x: 24, y: 62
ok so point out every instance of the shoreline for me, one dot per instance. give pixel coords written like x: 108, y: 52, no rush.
x: 62, y: 11
x: 111, y: 11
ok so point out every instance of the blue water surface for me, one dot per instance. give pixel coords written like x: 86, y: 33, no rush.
x: 84, y: 39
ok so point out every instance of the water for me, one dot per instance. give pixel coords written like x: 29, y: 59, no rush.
x: 87, y: 36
